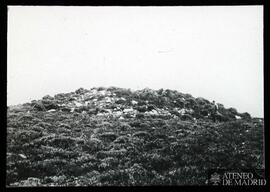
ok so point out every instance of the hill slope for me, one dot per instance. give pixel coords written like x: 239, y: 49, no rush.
x: 114, y: 136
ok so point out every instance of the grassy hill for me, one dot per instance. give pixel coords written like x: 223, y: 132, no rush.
x: 115, y: 136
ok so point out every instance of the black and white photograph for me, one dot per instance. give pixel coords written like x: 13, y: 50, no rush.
x: 135, y: 96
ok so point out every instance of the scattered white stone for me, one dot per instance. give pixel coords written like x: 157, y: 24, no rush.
x: 134, y: 102
x: 128, y: 110
x: 153, y: 112
x: 122, y: 98
x: 117, y: 113
x: 238, y: 117
x: 72, y: 110
x: 78, y: 104
x: 87, y: 94
x: 22, y: 156
x: 182, y: 111
x: 133, y: 115
x: 94, y: 91
x: 103, y: 92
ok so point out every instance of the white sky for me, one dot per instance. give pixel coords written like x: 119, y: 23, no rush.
x: 212, y: 52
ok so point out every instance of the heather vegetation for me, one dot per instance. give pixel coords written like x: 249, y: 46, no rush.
x: 114, y: 136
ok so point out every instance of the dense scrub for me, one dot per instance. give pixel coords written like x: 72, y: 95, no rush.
x: 113, y: 136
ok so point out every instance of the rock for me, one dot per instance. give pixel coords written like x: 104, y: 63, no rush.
x: 181, y: 134
x: 51, y: 110
x: 103, y: 92
x: 182, y: 111
x: 128, y: 110
x: 31, y: 181
x: 77, y: 104
x: 238, y: 117
x: 22, y: 156
x: 153, y: 112
x: 133, y: 102
x: 122, y: 98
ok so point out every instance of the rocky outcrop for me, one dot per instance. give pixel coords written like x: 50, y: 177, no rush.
x: 115, y: 136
